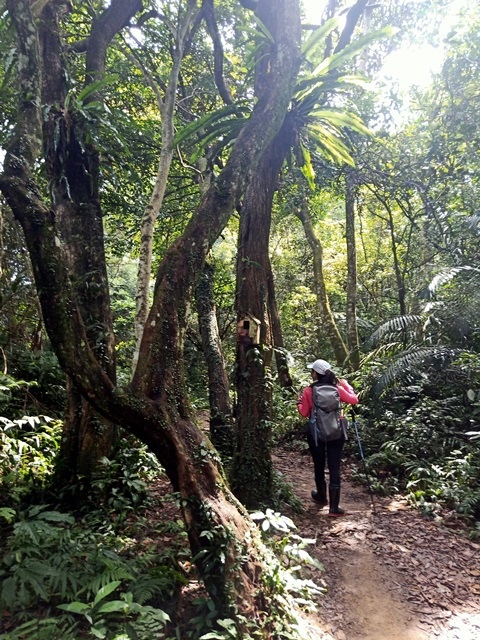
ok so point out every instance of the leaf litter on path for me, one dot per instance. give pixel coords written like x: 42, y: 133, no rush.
x: 391, y: 575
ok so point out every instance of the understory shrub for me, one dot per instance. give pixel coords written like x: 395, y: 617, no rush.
x: 424, y: 439
x: 28, y: 447
x: 91, y: 573
x: 103, y: 582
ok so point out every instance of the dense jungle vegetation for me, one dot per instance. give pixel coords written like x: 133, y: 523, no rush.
x: 170, y: 172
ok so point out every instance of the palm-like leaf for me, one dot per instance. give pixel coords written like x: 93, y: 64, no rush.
x: 446, y: 275
x: 393, y: 327
x: 407, y: 365
x: 328, y: 142
x: 317, y: 38
x: 325, y: 126
x: 208, y: 121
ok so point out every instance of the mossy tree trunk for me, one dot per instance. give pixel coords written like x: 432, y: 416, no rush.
x: 252, y: 471
x: 72, y: 169
x: 351, y: 315
x: 221, y: 428
x: 155, y: 407
x: 328, y: 326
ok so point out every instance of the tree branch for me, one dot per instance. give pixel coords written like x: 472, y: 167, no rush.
x: 218, y: 56
x: 104, y: 29
x: 353, y: 17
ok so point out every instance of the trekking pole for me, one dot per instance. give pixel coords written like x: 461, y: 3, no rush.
x: 364, y: 463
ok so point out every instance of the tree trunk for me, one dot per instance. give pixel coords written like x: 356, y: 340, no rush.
x: 283, y: 372
x: 155, y: 407
x: 351, y: 315
x: 252, y: 471
x: 72, y: 168
x: 166, y: 106
x: 328, y: 325
x: 221, y: 428
x: 399, y: 276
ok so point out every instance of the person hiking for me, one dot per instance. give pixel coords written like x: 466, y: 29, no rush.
x: 325, y: 445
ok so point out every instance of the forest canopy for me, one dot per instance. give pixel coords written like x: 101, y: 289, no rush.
x: 198, y: 198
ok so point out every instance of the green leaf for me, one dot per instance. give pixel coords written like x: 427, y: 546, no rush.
x: 113, y: 605
x: 8, y: 514
x: 319, y: 35
x: 352, y: 49
x: 106, y: 591
x: 341, y: 119
x: 264, y: 29
x: 205, y: 121
x: 307, y: 167
x: 74, y: 607
x: 98, y: 633
x: 56, y: 516
x: 330, y: 145
x: 97, y: 85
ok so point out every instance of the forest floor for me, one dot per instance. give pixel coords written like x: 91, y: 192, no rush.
x: 390, y: 574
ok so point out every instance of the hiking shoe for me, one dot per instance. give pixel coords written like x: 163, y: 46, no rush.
x: 319, y: 498
x: 334, y: 494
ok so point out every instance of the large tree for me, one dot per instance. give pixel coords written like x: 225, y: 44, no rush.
x: 252, y: 473
x: 155, y: 405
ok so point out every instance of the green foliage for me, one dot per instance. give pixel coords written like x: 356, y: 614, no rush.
x: 421, y: 437
x: 51, y: 558
x: 120, y: 483
x: 283, y: 579
x: 28, y: 447
x: 286, y: 416
x: 35, y: 384
x: 108, y: 619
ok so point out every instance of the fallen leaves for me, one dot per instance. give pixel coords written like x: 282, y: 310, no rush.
x: 434, y: 571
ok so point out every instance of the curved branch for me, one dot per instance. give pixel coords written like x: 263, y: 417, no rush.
x: 353, y: 17
x: 218, y: 56
x: 104, y: 29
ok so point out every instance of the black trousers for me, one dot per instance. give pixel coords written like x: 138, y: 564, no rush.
x: 331, y: 452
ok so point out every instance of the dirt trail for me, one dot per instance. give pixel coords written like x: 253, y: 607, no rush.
x: 392, y: 575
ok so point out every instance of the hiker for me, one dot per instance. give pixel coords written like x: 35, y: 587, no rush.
x: 320, y: 447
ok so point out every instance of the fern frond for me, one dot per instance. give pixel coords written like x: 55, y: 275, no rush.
x: 114, y: 570
x: 340, y: 119
x: 330, y: 145
x: 319, y: 35
x: 163, y: 581
x: 307, y: 167
x: 206, y: 121
x: 392, y: 327
x: 352, y: 49
x: 411, y: 362
x: 445, y: 276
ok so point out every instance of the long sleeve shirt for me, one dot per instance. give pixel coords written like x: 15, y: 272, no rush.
x: 305, y: 402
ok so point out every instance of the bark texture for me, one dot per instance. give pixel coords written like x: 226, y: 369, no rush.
x: 252, y: 472
x: 71, y: 165
x: 221, y: 427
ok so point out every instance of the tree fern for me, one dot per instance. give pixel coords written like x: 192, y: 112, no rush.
x: 445, y: 276
x: 410, y: 364
x: 394, y: 327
